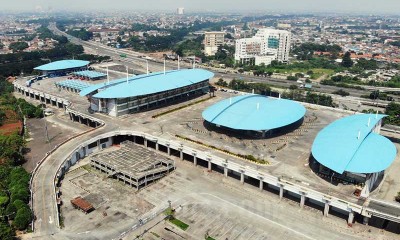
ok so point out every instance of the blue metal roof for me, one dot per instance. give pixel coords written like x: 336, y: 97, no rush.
x: 90, y: 74
x: 339, y: 148
x: 148, y: 84
x: 62, y: 65
x: 75, y: 84
x: 254, y: 112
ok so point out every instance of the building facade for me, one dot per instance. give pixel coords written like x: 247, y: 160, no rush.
x: 268, y: 44
x: 212, y: 40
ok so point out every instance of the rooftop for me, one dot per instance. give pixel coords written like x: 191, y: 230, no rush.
x: 349, y: 144
x: 254, y: 112
x: 148, y: 84
x: 62, y: 65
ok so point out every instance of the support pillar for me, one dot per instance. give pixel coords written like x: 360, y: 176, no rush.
x: 365, y: 220
x: 145, y: 142
x: 181, y: 154
x: 209, y: 164
x: 242, y: 178
x: 80, y: 119
x: 350, y: 219
x: 169, y: 150
x: 302, y: 200
x: 385, y: 224
x: 98, y: 143
x: 281, y: 191
x: 156, y: 145
x: 326, y: 209
x: 195, y: 160
x: 226, y: 171
x: 261, y: 185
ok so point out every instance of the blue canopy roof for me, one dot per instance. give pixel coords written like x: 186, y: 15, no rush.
x: 254, y: 112
x: 62, y: 65
x: 90, y: 74
x: 349, y: 145
x: 148, y: 84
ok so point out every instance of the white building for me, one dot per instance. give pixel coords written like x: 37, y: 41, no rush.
x: 180, y: 11
x: 266, y: 42
x: 212, y: 40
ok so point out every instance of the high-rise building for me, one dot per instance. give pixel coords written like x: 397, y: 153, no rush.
x: 267, y: 45
x: 180, y: 11
x: 212, y: 40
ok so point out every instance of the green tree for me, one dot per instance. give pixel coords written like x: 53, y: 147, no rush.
x: 22, y: 218
x: 346, y: 60
x: 18, y: 46
x: 6, y: 233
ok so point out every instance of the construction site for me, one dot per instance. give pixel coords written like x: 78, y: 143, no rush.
x: 132, y: 164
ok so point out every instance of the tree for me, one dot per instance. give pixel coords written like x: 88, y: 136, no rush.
x: 22, y: 218
x: 341, y: 92
x: 1, y: 45
x: 6, y: 233
x: 346, y: 60
x: 18, y: 46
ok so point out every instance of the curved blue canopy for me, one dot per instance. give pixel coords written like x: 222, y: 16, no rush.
x: 254, y: 113
x: 348, y: 144
x: 62, y: 65
x: 148, y: 84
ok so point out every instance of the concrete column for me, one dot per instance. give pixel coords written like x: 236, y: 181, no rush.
x: 98, y: 143
x: 145, y: 142
x: 302, y: 200
x: 80, y: 119
x: 157, y: 146
x: 195, y: 160
x: 281, y: 191
x: 261, y: 185
x: 365, y: 220
x: 70, y: 117
x: 226, y: 171
x: 209, y: 164
x: 169, y: 150
x: 181, y: 154
x: 351, y: 218
x: 242, y: 178
x: 385, y: 224
x: 326, y: 209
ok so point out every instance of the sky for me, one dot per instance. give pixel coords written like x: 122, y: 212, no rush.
x: 347, y: 6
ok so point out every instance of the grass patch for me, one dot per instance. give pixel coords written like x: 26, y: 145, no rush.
x: 87, y: 167
x: 180, y: 107
x: 155, y: 234
x: 179, y: 224
x: 210, y: 238
x: 250, y: 158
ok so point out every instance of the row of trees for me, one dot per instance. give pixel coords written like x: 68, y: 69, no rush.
x: 81, y: 34
x: 306, y: 51
x: 14, y: 180
x: 293, y: 93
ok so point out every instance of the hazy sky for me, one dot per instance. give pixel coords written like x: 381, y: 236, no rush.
x: 369, y: 6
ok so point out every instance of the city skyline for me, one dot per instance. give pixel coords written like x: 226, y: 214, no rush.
x: 339, y: 6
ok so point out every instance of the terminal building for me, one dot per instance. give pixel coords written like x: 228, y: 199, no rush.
x: 62, y: 68
x: 350, y: 150
x: 255, y: 115
x: 146, y: 91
